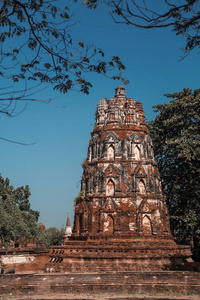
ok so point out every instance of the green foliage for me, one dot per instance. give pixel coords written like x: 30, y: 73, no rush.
x: 80, y: 195
x: 17, y: 220
x: 52, y: 236
x: 45, y: 50
x: 176, y: 137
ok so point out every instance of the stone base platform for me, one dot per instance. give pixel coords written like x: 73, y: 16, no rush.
x: 102, y: 255
x: 180, y: 283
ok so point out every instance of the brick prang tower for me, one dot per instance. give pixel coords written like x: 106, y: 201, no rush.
x: 121, y: 220
x: 121, y: 186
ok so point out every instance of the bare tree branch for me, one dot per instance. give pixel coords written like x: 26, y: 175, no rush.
x: 183, y: 17
x: 45, y: 50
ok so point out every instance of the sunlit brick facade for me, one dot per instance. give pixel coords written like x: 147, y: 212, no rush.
x: 121, y: 221
x: 121, y: 187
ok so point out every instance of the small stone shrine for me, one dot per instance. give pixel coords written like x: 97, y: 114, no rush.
x: 121, y: 221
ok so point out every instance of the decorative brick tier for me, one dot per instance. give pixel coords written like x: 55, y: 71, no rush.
x: 101, y: 256
x: 121, y: 220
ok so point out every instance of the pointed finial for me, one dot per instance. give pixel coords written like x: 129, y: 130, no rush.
x: 68, y: 228
x: 68, y: 224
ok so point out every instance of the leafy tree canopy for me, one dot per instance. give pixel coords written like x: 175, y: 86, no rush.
x: 17, y: 220
x: 37, y: 45
x: 176, y: 138
x: 52, y: 236
x: 183, y: 16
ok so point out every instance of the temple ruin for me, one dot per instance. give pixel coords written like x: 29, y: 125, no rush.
x: 121, y: 221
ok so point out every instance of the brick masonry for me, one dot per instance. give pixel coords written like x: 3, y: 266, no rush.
x: 115, y: 282
x: 24, y: 259
x: 121, y: 220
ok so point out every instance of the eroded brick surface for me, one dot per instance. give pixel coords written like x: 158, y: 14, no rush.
x: 121, y: 220
x: 182, y: 283
x: 24, y: 259
x: 121, y: 186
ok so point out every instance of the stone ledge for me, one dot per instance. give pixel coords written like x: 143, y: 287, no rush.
x: 119, y: 282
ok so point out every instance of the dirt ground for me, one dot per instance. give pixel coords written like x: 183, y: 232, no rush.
x: 110, y: 296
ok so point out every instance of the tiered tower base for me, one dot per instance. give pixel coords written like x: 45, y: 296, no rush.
x: 104, y: 254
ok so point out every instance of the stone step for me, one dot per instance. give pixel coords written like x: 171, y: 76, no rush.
x: 124, y: 282
x: 99, y: 288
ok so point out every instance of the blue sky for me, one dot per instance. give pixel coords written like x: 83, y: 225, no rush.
x: 52, y: 166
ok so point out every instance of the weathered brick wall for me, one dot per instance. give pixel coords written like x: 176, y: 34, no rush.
x: 23, y: 260
x: 121, y: 282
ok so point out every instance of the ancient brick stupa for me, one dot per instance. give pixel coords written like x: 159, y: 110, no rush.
x: 121, y: 220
